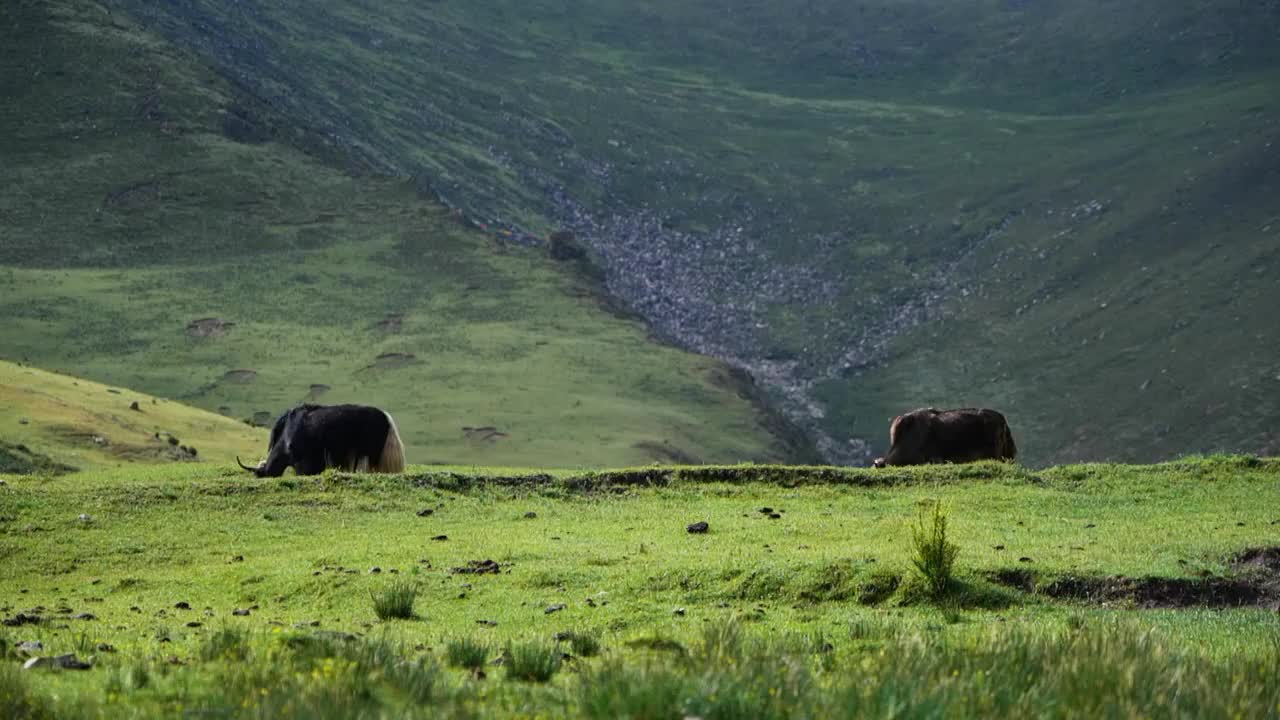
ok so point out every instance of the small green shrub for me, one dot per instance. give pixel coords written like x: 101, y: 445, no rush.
x: 395, y: 601
x: 466, y: 653
x: 934, y: 555
x: 532, y: 662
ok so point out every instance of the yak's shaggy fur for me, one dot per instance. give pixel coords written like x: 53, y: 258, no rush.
x: 929, y: 435
x: 312, y: 438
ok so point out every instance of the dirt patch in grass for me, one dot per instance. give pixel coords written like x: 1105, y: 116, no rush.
x: 391, y: 325
x: 391, y: 361
x: 1254, y: 582
x: 135, y: 195
x: 478, y: 567
x: 1263, y: 558
x: 240, y: 376
x: 209, y: 327
x: 486, y: 434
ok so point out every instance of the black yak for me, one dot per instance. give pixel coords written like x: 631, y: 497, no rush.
x: 929, y: 435
x: 311, y: 438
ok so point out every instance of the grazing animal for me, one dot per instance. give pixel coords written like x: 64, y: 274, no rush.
x: 311, y: 438
x: 929, y: 435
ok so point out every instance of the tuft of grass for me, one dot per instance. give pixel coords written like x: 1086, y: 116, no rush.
x: 228, y: 643
x: 585, y: 644
x: 582, y: 643
x: 934, y: 556
x: 467, y: 653
x: 533, y: 661
x: 395, y: 601
x: 84, y: 643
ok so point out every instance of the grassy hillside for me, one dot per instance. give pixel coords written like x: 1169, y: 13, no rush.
x: 75, y: 423
x: 165, y: 231
x: 1060, y: 208
x: 1125, y: 591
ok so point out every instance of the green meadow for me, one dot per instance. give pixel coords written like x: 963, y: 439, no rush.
x: 1102, y: 590
x: 209, y: 214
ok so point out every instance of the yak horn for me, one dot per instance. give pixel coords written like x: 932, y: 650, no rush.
x: 246, y: 467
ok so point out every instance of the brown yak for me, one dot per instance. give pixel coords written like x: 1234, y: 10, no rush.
x: 929, y: 435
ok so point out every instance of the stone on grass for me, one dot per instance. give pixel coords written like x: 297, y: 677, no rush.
x: 63, y: 662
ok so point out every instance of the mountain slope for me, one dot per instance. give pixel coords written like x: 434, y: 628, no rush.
x: 166, y: 231
x: 57, y: 422
x: 871, y: 206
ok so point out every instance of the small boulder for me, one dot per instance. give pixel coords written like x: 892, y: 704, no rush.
x: 555, y: 608
x: 29, y: 647
x: 241, y: 612
x: 426, y: 512
x: 135, y: 407
x: 698, y: 527
x: 63, y: 662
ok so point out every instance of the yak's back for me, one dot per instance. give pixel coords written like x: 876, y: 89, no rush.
x: 973, y: 434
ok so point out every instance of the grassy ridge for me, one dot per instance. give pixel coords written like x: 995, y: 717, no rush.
x: 87, y: 424
x: 612, y: 548
x: 143, y: 193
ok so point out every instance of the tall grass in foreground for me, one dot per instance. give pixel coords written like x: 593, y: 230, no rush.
x: 1108, y: 670
x: 18, y: 699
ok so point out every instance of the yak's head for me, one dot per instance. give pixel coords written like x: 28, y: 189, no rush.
x: 907, y: 437
x: 280, y: 448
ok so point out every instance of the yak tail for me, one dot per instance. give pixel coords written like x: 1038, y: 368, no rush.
x: 392, y: 460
